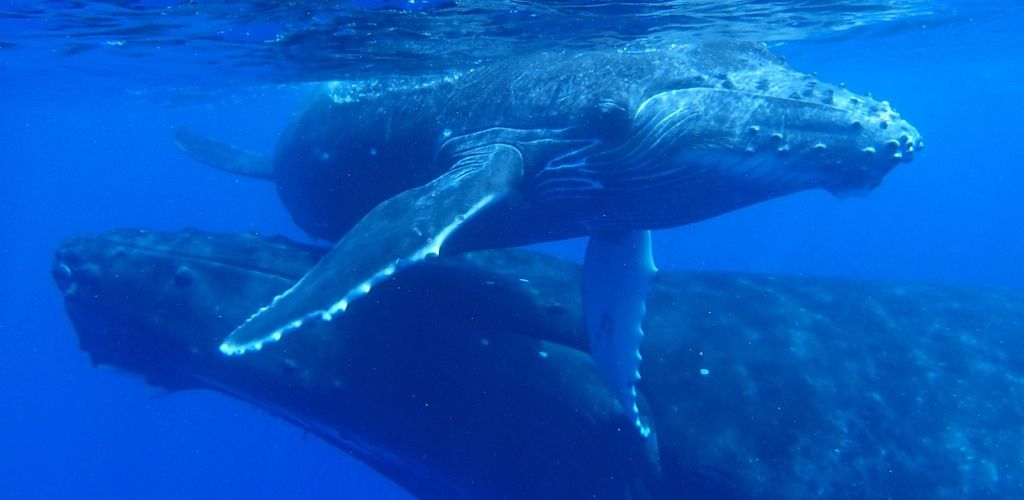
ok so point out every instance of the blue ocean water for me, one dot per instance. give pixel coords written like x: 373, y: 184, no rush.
x: 91, y: 91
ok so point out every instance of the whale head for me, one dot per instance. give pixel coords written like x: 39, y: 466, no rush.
x: 797, y: 134
x: 736, y: 130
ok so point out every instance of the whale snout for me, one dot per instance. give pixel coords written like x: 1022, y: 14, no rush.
x: 777, y: 143
x: 881, y: 142
x: 894, y: 139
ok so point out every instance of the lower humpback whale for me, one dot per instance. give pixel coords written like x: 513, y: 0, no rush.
x: 602, y: 144
x: 759, y: 386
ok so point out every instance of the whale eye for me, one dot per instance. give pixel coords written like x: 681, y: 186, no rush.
x: 612, y: 115
x: 608, y: 107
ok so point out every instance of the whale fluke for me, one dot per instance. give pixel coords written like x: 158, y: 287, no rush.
x: 223, y: 156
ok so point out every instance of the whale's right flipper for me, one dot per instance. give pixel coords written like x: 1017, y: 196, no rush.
x: 399, y: 232
x: 222, y: 156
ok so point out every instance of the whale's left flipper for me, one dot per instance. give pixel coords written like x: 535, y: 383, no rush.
x: 400, y: 231
x: 618, y: 274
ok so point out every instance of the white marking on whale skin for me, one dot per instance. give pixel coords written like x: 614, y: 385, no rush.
x: 559, y: 162
x: 432, y: 249
x: 568, y: 187
x: 338, y: 307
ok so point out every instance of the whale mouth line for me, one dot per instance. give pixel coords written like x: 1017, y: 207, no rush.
x: 761, y: 95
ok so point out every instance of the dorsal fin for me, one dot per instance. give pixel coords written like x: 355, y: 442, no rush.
x: 222, y: 156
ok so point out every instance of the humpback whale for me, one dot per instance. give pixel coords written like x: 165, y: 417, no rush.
x: 608, y: 145
x: 762, y: 387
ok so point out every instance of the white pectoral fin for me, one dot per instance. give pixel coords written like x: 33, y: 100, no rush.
x: 399, y: 232
x: 618, y: 274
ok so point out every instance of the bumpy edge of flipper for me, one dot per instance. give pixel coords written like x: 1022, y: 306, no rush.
x: 222, y: 156
x: 618, y: 274
x: 399, y: 232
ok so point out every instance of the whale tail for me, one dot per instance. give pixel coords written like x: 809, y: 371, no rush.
x: 222, y: 156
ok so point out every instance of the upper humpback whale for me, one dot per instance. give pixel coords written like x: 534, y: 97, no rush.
x: 602, y: 144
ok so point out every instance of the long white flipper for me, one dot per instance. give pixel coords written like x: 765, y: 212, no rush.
x: 399, y: 232
x: 618, y: 273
